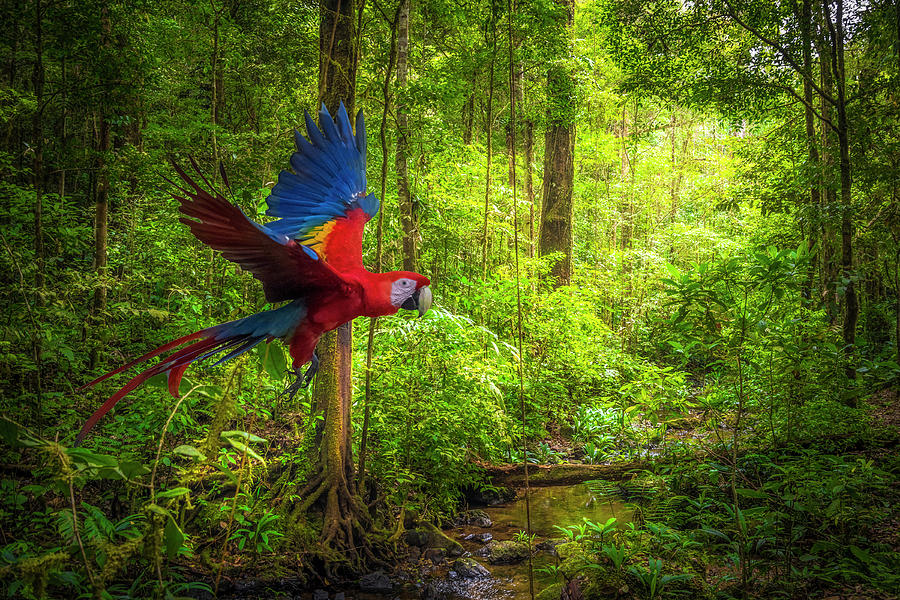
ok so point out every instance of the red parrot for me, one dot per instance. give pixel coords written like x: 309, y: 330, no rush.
x: 311, y: 256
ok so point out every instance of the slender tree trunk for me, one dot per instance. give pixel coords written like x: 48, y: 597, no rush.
x: 805, y: 18
x: 217, y: 87
x: 101, y: 193
x: 63, y: 128
x: 408, y: 216
x: 346, y: 518
x: 516, y: 85
x: 829, y: 196
x: 379, y: 233
x: 469, y: 114
x: 101, y: 200
x: 528, y: 149
x: 37, y: 123
x: 489, y: 130
x: 851, y: 302
x: 559, y: 163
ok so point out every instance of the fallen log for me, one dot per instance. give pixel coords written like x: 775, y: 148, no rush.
x: 510, y: 475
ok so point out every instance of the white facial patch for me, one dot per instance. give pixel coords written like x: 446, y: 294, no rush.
x: 401, y: 290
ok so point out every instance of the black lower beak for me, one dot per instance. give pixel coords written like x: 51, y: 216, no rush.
x: 420, y: 300
x: 412, y: 303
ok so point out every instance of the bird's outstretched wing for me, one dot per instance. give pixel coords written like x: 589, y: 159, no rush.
x: 323, y: 203
x: 287, y: 269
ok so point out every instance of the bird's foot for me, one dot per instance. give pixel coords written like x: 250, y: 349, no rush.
x: 303, y: 379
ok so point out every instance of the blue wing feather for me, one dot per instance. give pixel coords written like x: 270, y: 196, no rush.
x: 328, y: 178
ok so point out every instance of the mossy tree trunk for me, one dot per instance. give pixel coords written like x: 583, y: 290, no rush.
x: 345, y: 517
x: 559, y: 158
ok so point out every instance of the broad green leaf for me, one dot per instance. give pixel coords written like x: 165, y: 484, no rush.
x: 173, y: 538
x: 249, y: 437
x: 189, y: 451
x: 273, y: 361
x: 173, y: 493
x: 242, y: 447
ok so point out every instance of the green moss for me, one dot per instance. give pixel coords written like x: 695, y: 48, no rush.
x: 551, y: 592
x: 34, y: 572
x: 507, y: 552
x: 118, y: 555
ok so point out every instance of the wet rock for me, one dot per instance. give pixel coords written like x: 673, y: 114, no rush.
x: 549, y: 545
x: 436, y: 555
x: 568, y: 549
x: 462, y: 589
x: 376, y: 581
x: 340, y: 596
x: 416, y: 537
x: 469, y: 568
x: 506, y: 552
x: 489, y: 496
x: 476, y: 517
x: 429, y: 536
x: 572, y: 559
x: 414, y: 554
x: 435, y: 591
x: 481, y: 538
x: 320, y: 595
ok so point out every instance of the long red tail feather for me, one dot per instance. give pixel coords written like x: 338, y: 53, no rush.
x: 164, y: 348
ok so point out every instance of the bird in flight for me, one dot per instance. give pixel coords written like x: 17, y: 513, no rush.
x: 309, y: 257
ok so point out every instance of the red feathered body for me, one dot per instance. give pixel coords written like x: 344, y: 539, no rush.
x: 367, y: 295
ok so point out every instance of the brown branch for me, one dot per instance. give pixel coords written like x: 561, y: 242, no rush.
x: 782, y: 51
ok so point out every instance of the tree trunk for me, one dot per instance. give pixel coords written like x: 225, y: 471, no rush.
x: 346, y: 518
x: 559, y: 163
x: 828, y: 198
x: 217, y: 87
x: 528, y: 149
x: 337, y: 54
x: 408, y: 216
x: 516, y: 85
x: 101, y: 194
x: 805, y: 18
x: 469, y: 115
x: 489, y: 131
x: 37, y: 123
x: 851, y: 303
x: 379, y: 233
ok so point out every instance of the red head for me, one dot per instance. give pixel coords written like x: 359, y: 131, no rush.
x: 398, y: 289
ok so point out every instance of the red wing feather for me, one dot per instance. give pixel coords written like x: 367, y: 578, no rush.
x: 284, y: 267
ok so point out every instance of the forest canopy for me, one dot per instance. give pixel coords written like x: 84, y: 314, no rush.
x: 664, y: 243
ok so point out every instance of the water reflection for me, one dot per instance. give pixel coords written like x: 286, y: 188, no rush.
x: 559, y: 505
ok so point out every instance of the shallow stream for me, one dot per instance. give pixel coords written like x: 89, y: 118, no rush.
x: 550, y: 506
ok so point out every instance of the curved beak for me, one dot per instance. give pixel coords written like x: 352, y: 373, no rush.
x: 423, y: 299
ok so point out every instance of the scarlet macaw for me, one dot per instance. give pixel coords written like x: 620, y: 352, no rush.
x: 310, y: 256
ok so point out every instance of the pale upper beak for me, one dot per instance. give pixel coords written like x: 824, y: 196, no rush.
x: 424, y: 299
x: 420, y: 300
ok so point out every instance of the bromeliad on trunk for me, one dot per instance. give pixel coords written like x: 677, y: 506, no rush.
x: 311, y: 256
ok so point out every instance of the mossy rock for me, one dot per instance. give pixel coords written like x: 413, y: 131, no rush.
x: 572, y: 559
x: 551, y: 592
x: 568, y: 549
x: 475, y: 517
x: 507, y: 552
x: 427, y: 535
